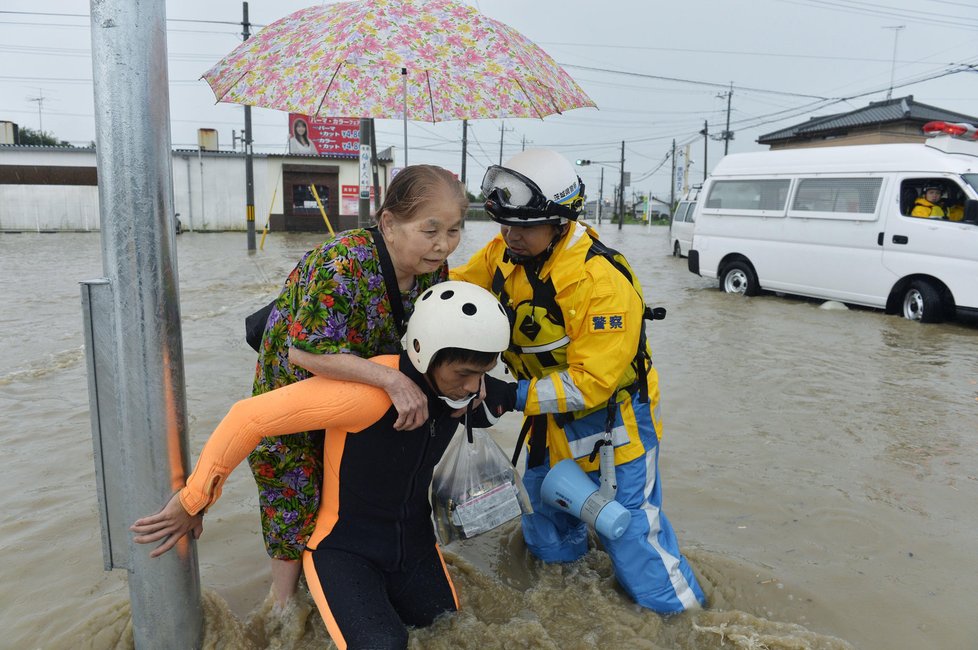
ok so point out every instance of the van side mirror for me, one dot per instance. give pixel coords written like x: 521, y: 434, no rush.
x: 971, y: 211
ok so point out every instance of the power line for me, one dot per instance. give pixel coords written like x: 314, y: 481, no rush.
x: 953, y: 22
x: 88, y: 17
x: 710, y: 84
x: 767, y: 55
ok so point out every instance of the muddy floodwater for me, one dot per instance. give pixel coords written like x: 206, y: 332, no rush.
x: 819, y: 465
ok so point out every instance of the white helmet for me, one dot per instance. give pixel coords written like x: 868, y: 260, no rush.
x: 534, y: 187
x: 455, y: 314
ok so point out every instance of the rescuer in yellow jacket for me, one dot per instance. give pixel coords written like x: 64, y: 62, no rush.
x: 579, y: 352
x: 929, y: 205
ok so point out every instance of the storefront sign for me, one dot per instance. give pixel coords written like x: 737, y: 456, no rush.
x: 338, y: 137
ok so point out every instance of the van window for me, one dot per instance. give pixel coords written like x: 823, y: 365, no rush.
x: 755, y: 194
x: 680, y: 212
x: 950, y: 204
x: 689, y: 213
x: 850, y: 195
x: 972, y: 180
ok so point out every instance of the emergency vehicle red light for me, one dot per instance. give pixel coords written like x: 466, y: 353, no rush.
x: 956, y: 129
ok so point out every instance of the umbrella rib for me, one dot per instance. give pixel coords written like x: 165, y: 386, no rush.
x: 431, y: 98
x: 229, y: 88
x: 529, y: 98
x: 336, y: 71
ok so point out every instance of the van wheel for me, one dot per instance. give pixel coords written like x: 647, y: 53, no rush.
x: 739, y: 277
x: 922, y: 302
x: 676, y: 251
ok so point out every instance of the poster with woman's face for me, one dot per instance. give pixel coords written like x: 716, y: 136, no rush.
x: 337, y: 137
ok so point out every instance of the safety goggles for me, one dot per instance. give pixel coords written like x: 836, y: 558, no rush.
x: 511, y: 195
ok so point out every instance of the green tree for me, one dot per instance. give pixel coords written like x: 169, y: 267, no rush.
x: 27, y: 135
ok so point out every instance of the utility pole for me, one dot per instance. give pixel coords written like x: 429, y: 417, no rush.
x: 502, y: 132
x: 621, y: 188
x: 363, y: 203
x: 614, y: 194
x: 133, y: 340
x: 672, y: 181
x: 404, y: 81
x: 896, y: 37
x: 686, y: 164
x: 249, y: 162
x: 465, y: 144
x: 706, y: 139
x: 600, y: 195
x: 374, y: 167
x: 727, y: 135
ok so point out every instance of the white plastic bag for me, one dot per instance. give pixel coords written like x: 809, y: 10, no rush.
x: 475, y: 488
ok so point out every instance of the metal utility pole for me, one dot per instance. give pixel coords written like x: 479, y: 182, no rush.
x: 249, y: 162
x: 131, y: 317
x: 896, y: 37
x: 502, y: 131
x: 374, y: 167
x: 600, y: 195
x: 706, y: 140
x: 465, y: 144
x: 404, y: 76
x: 672, y: 181
x: 621, y: 188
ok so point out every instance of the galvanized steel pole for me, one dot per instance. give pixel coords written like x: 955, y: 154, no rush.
x: 249, y: 158
x: 621, y: 188
x: 139, y: 262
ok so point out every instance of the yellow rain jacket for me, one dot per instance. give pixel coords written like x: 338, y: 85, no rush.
x: 924, y: 208
x: 576, y: 333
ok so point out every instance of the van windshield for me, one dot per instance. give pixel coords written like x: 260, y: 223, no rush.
x: 972, y: 180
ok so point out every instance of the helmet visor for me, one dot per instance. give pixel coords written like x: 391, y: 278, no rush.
x: 511, y: 189
x: 513, y: 199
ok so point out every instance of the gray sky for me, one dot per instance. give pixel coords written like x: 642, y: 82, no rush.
x: 656, y: 71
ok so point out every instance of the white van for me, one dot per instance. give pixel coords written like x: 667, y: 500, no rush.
x: 835, y: 223
x: 681, y: 225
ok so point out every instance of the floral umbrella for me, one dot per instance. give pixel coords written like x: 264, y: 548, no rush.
x: 441, y: 59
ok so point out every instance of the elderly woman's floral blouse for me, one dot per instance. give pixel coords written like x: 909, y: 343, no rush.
x: 334, y: 301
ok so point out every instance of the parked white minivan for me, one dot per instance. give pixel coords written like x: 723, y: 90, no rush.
x: 836, y: 223
x: 681, y: 225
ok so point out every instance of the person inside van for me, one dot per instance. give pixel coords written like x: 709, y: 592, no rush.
x: 954, y: 203
x: 929, y: 205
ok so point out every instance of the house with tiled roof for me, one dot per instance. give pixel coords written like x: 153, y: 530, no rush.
x: 888, y: 121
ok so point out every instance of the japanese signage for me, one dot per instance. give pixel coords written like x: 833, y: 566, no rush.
x: 365, y: 171
x: 324, y: 136
x: 350, y: 199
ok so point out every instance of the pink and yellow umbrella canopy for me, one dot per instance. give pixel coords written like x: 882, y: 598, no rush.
x: 350, y: 58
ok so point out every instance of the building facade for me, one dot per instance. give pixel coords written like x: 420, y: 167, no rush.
x: 49, y: 189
